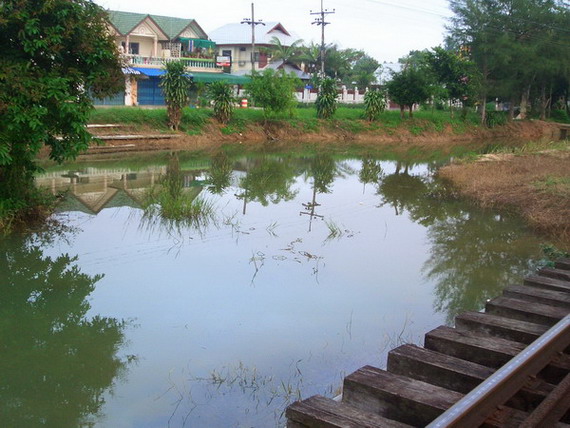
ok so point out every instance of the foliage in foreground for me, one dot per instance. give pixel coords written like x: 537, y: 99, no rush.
x: 45, y: 99
x: 175, y: 84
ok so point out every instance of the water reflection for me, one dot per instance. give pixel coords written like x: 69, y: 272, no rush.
x: 56, y: 362
x: 267, y: 180
x: 474, y: 253
x: 176, y: 202
x: 257, y: 299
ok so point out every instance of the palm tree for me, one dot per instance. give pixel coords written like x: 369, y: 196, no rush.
x: 310, y: 55
x: 281, y: 52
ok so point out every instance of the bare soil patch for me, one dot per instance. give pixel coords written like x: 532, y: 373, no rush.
x: 536, y: 185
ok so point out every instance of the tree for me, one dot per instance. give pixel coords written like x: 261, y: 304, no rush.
x: 363, y: 71
x: 175, y: 84
x: 408, y: 87
x: 520, y: 47
x: 222, y: 96
x: 455, y: 74
x: 56, y: 56
x: 326, y: 102
x: 273, y: 90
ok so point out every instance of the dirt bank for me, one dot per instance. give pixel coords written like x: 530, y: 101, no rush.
x: 283, y: 135
x: 535, y: 185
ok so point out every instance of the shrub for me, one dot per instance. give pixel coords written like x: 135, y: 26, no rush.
x: 326, y: 99
x: 274, y: 91
x: 374, y: 104
x: 222, y: 96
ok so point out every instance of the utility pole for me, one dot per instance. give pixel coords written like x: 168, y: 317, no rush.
x: 321, y: 21
x: 251, y: 21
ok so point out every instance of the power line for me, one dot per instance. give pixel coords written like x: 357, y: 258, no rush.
x: 321, y: 21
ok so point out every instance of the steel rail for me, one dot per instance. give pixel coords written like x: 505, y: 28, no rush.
x: 475, y: 407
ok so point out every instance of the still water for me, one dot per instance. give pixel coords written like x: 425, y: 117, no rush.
x: 299, y: 270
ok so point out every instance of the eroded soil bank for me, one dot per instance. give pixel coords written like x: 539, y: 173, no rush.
x: 282, y: 135
x: 536, y: 185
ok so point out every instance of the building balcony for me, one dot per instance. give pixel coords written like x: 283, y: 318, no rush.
x: 193, y: 64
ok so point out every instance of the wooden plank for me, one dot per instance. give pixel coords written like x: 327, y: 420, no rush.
x: 456, y: 374
x: 547, y: 283
x: 561, y: 274
x: 562, y: 264
x: 396, y: 397
x: 521, y: 310
x: 321, y: 412
x: 410, y: 401
x: 533, y: 294
x: 505, y: 328
x: 488, y: 351
x: 137, y: 137
x: 436, y: 368
x: 105, y: 125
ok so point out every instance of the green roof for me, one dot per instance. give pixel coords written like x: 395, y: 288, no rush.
x: 172, y: 27
x: 126, y: 22
x: 216, y: 77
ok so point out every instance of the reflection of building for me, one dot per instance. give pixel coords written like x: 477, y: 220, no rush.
x: 91, y: 190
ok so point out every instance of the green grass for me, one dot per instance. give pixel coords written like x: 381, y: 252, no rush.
x: 349, y: 119
x: 558, y: 186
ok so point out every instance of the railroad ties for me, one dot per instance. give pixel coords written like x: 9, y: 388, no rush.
x: 420, y: 384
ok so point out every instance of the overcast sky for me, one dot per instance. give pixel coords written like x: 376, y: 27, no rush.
x: 385, y: 29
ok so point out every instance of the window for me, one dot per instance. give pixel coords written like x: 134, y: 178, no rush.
x: 242, y: 49
x: 226, y: 53
x: 134, y: 48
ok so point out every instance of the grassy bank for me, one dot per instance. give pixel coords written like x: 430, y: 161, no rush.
x: 348, y: 119
x: 533, y: 180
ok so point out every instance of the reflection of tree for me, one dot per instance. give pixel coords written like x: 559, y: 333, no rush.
x: 371, y: 171
x: 270, y: 180
x: 56, y: 363
x: 323, y: 170
x: 474, y: 255
x: 401, y: 190
x: 220, y: 174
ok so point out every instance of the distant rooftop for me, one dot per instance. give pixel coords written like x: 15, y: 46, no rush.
x: 240, y: 34
x: 125, y: 22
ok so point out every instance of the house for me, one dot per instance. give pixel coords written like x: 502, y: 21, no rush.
x: 147, y: 42
x: 233, y: 43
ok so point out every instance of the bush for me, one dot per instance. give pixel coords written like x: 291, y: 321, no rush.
x: 560, y: 116
x: 496, y: 118
x: 326, y: 99
x: 221, y: 95
x: 273, y: 90
x: 374, y: 104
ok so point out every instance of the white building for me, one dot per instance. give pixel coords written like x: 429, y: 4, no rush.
x: 234, y: 43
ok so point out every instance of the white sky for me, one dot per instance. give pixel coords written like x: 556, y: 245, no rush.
x: 385, y: 29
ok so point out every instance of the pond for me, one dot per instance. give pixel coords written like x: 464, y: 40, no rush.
x: 294, y: 271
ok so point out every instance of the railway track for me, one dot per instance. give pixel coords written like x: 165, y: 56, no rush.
x: 505, y: 367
